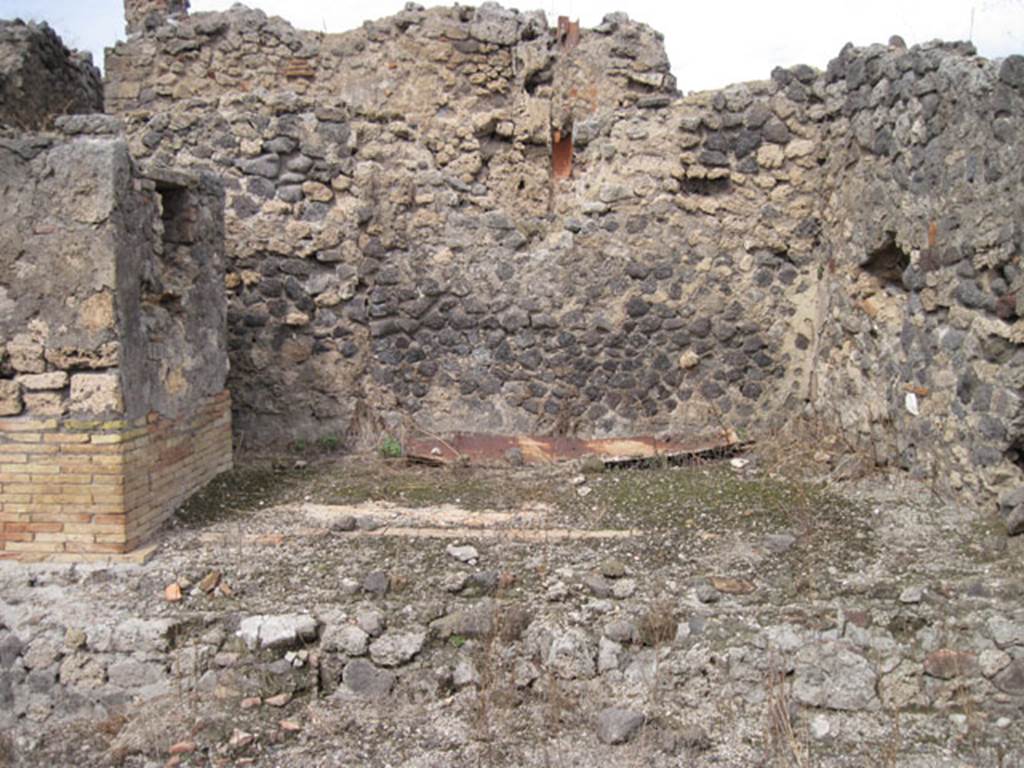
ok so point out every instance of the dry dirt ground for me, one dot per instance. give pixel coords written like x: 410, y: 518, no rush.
x: 702, y: 615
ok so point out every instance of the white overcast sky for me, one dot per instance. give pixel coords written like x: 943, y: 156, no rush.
x: 709, y: 43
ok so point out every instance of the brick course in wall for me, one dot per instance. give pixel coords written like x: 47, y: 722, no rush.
x: 80, y: 490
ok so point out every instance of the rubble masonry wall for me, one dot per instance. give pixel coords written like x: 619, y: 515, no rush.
x: 403, y: 253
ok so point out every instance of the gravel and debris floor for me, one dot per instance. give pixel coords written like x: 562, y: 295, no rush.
x: 738, y: 617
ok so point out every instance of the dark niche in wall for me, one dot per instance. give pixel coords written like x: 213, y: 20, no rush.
x: 888, y: 262
x: 176, y: 214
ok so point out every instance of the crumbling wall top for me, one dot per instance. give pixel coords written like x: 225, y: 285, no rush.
x: 40, y: 78
x: 423, y: 64
x: 141, y: 15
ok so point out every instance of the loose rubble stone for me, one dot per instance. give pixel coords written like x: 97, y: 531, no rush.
x: 364, y: 679
x: 344, y: 524
x: 1005, y: 632
x: 81, y: 670
x: 133, y: 635
x: 371, y: 621
x: 623, y: 588
x: 621, y: 631
x: 465, y: 674
x: 348, y: 586
x: 609, y: 654
x: 1011, y: 505
x: 395, y: 649
x: 376, y: 583
x: 571, y: 655
x: 41, y: 652
x: 598, y: 585
x: 240, y: 739
x: 707, y: 593
x: 135, y: 674
x: 347, y: 639
x: 281, y: 631
x: 464, y: 553
x: 478, y: 621
x: 1011, y: 678
x: 991, y: 662
x: 912, y: 595
x: 613, y: 568
x: 182, y: 748
x: 11, y: 647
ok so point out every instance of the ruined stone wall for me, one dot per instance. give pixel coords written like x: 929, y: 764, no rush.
x: 464, y: 219
x: 919, y: 353
x: 41, y: 79
x: 404, y: 251
x: 112, y: 374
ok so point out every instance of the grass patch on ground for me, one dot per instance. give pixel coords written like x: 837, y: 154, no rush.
x: 671, y: 502
x: 242, y: 490
x: 670, y: 497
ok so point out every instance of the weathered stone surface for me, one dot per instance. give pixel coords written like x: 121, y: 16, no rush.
x: 133, y: 635
x: 376, y: 582
x: 464, y: 674
x: 1006, y: 632
x: 11, y: 647
x: 96, y: 394
x: 623, y: 588
x: 371, y: 621
x: 598, y: 586
x: 991, y: 662
x: 10, y: 398
x: 43, y: 381
x: 1011, y: 71
x: 42, y: 78
x: 613, y: 568
x: 465, y: 553
x: 347, y: 638
x: 280, y: 631
x: 947, y: 664
x: 364, y: 679
x: 493, y: 24
x: 832, y: 675
x: 41, y: 652
x: 135, y: 674
x: 81, y: 670
x: 396, y: 648
x: 621, y: 631
x: 571, y: 655
x: 1011, y: 505
x: 1011, y: 678
x: 478, y: 621
x: 617, y: 725
x: 609, y: 655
